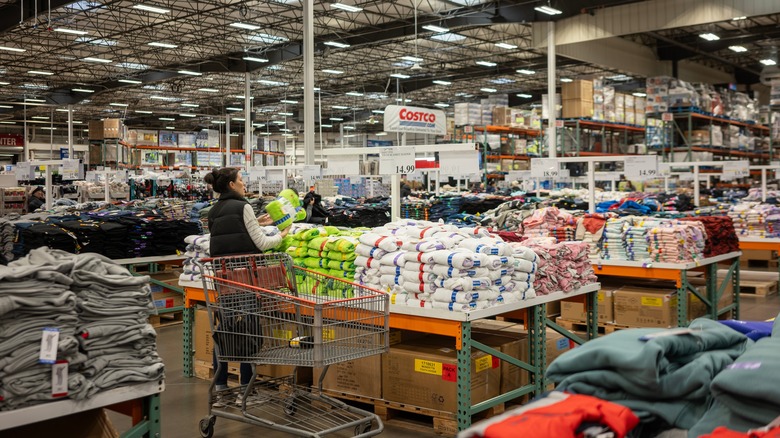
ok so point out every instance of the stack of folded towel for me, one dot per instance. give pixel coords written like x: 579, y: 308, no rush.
x: 197, y: 249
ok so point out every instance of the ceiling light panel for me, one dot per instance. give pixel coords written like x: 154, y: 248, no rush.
x: 336, y: 44
x: 345, y: 7
x: 709, y: 36
x: 506, y: 46
x: 549, y: 10
x: 486, y: 63
x: 163, y: 45
x: 246, y: 26
x: 434, y: 28
x: 150, y: 8
x: 70, y: 31
x: 448, y: 37
x: 738, y: 49
x: 333, y: 72
x: 254, y: 59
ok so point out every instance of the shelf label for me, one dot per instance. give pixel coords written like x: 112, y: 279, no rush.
x: 468, y: 129
x: 396, y: 160
x: 559, y: 123
x: 667, y: 117
x: 641, y: 167
x: 518, y: 175
x: 49, y: 342
x: 458, y: 163
x: 607, y: 176
x: 736, y: 169
x: 342, y: 165
x: 311, y: 173
x: 428, y: 367
x: 547, y: 168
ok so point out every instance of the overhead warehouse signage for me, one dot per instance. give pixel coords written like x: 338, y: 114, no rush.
x: 11, y: 140
x: 417, y: 120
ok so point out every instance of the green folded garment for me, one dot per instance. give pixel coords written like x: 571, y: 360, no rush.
x: 317, y: 243
x: 343, y: 244
x: 341, y: 265
x: 297, y: 252
x: 341, y: 274
x: 341, y: 256
x: 316, y: 253
x: 299, y: 261
x: 284, y: 244
x: 315, y: 263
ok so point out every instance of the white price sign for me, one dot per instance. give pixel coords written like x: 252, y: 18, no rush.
x: 736, y: 169
x: 641, y: 167
x: 256, y: 174
x: 547, y: 168
x: 607, y: 176
x: 396, y: 160
x: 342, y: 165
x: 312, y: 173
x: 664, y: 169
x: 667, y: 117
x: 518, y: 176
x: 459, y: 163
x: 686, y: 176
x: 24, y: 171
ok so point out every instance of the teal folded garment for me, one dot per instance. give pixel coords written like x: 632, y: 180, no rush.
x: 667, y: 377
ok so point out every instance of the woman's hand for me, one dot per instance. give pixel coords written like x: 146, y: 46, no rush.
x: 285, y: 231
x: 264, y: 220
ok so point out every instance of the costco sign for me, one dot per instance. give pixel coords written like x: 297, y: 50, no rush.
x: 11, y: 140
x: 416, y: 120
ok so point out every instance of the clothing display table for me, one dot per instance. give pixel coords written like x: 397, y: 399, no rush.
x: 760, y: 244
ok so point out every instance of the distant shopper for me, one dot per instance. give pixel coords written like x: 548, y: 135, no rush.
x: 37, y: 199
x: 405, y: 189
x: 491, y: 188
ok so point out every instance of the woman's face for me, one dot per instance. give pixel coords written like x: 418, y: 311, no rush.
x: 238, y: 185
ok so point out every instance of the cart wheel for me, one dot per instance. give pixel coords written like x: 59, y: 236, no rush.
x: 289, y: 406
x: 362, y: 428
x: 207, y: 426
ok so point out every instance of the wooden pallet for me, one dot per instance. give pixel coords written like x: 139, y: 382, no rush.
x: 758, y: 264
x: 757, y: 288
x: 166, y: 319
x: 604, y: 328
x: 204, y: 370
x: 413, y: 417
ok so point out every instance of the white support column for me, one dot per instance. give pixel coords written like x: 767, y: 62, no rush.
x: 551, y: 135
x: 227, y: 140
x: 26, y: 156
x: 70, y: 131
x: 592, y: 186
x: 248, y: 120
x: 763, y: 185
x: 47, y: 185
x: 308, y: 82
x: 696, y: 185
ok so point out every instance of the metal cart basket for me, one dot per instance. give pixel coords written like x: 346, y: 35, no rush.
x: 265, y: 311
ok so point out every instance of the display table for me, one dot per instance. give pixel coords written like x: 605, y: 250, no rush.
x: 141, y: 402
x: 760, y: 244
x: 678, y: 272
x: 457, y: 325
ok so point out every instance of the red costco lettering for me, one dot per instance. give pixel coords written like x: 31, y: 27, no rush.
x: 417, y: 116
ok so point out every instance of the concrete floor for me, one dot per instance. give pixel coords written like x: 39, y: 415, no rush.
x: 184, y: 400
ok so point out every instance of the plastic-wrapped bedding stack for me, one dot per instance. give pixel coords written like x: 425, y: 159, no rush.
x: 677, y: 241
x: 562, y: 267
x: 612, y: 245
x: 721, y: 238
x: 750, y: 219
x: 197, y: 248
x: 328, y: 251
x: 34, y: 298
x: 550, y: 222
x: 429, y: 265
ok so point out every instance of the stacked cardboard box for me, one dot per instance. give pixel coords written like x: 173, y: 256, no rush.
x: 468, y: 114
x: 96, y: 130
x: 502, y: 116
x: 658, y: 94
x: 574, y: 309
x: 113, y: 128
x: 637, y: 306
x: 639, y: 110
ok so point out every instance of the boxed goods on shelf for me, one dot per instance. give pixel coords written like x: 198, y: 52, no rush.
x: 620, y: 108
x: 574, y: 310
x: 502, y: 116
x: 579, y: 89
x: 577, y: 108
x: 487, y: 112
x: 95, y: 130
x: 113, y: 128
x: 468, y: 114
x: 651, y: 307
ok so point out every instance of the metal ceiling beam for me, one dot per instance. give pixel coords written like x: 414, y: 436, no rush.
x: 12, y: 14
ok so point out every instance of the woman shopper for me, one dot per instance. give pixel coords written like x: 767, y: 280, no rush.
x: 234, y: 231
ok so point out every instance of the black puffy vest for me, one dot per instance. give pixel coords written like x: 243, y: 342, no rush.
x: 226, y: 225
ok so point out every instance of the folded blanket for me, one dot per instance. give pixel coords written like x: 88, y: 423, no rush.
x: 462, y: 283
x: 413, y: 287
x: 367, y: 262
x: 391, y: 280
x: 415, y: 302
x: 388, y: 244
x: 449, y: 295
x: 312, y: 262
x: 391, y: 270
x: 396, y: 298
x: 395, y: 258
x: 495, y: 274
x: 455, y: 259
x: 341, y: 265
x: 420, y: 257
x: 522, y: 265
x: 335, y: 255
x: 419, y: 277
x: 426, y: 245
x: 480, y: 246
x: 446, y: 271
x: 369, y: 251
x: 478, y: 272
x: 456, y: 307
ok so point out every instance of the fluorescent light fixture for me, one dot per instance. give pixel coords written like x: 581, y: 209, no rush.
x: 265, y: 133
x: 188, y: 115
x: 96, y: 41
x: 349, y: 128
x: 448, y: 37
x: 738, y: 49
x: 291, y: 102
x: 526, y: 71
x: 336, y: 44
x: 130, y: 81
x: 337, y: 119
x: 268, y: 39
x: 5, y: 122
x: 567, y: 80
x: 339, y: 107
x: 232, y: 108
x: 170, y: 127
x: 272, y: 83
x: 548, y: 10
x: 208, y: 90
x: 90, y: 59
x: 486, y: 63
x: 48, y: 128
x: 442, y: 82
x: 709, y: 36
x: 163, y: 45
x: 377, y: 111
x: 400, y: 76
x: 333, y: 72
x: 190, y: 72
x: 506, y: 46
x: 437, y: 29
x: 218, y: 122
x: 40, y: 72
x: 191, y: 105
x: 160, y: 98
x: 279, y: 122
x: 40, y: 117
x: 154, y: 9
x: 7, y: 106
x: 118, y: 104
x: 286, y: 114
x: 639, y: 94
x: 739, y: 18
x: 401, y: 100
x: 4, y: 83
x: 35, y: 86
x: 35, y: 100
x: 82, y: 90
x: 353, y: 93
x: 70, y: 31
x: 343, y: 7
x: 61, y: 110
x: 167, y: 119
x: 254, y: 59
x: 488, y: 90
x: 246, y: 26
x: 325, y: 125
x: 768, y: 62
x: 258, y: 125
x: 285, y: 130
x: 12, y: 49
x: 242, y: 97
x: 411, y: 59
x: 133, y: 65
x: 238, y: 119
x: 143, y: 112
x: 524, y: 96
x: 442, y: 105
x: 380, y: 134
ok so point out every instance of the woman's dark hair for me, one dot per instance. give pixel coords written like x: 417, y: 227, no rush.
x: 221, y: 178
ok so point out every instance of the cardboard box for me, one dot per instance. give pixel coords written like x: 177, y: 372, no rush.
x: 87, y: 424
x: 643, y: 307
x: 203, y: 343
x: 424, y: 373
x: 96, y: 130
x: 163, y: 295
x: 754, y: 254
x: 728, y: 293
x: 502, y: 116
x: 577, y: 108
x: 574, y: 310
x: 512, y: 377
x: 556, y: 345
x: 579, y: 89
x: 113, y: 128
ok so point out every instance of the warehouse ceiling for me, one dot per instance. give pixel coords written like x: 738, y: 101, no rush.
x: 187, y: 61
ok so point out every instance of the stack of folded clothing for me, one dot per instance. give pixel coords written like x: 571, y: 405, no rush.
x: 612, y: 244
x: 37, y: 234
x: 721, y: 236
x: 415, y: 208
x: 635, y: 238
x: 7, y: 238
x: 88, y: 233
x: 674, y: 241
x: 429, y: 265
x: 562, y: 267
x: 658, y: 374
x: 750, y: 219
x: 508, y: 216
x: 544, y: 221
x: 590, y: 229
x: 445, y: 206
x: 348, y: 212
x: 35, y: 302
x: 115, y: 239
x: 326, y: 250
x: 197, y: 248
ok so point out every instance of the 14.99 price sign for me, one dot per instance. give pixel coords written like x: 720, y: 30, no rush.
x: 396, y: 160
x: 641, y: 167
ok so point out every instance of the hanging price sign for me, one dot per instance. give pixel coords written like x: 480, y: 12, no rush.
x: 547, y: 168
x: 641, y: 167
x: 342, y: 165
x: 459, y: 163
x: 736, y: 169
x: 396, y: 160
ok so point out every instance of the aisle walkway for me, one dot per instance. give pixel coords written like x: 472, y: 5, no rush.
x: 183, y: 402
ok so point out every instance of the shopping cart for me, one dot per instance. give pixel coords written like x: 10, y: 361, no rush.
x: 265, y: 311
